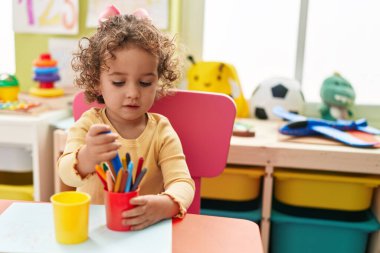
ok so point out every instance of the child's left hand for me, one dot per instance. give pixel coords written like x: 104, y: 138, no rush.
x: 149, y: 210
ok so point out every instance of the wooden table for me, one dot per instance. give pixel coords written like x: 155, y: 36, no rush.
x: 201, y: 233
x: 271, y: 150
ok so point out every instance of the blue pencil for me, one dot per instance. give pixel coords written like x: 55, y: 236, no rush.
x: 116, y: 163
x: 129, y: 180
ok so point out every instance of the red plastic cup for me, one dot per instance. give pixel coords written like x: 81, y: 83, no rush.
x: 116, y: 203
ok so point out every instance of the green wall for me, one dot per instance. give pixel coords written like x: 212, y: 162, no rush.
x: 28, y: 47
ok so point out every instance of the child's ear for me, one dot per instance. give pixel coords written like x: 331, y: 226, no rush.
x: 100, y: 99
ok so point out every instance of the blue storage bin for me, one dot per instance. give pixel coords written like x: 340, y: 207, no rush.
x: 291, y: 234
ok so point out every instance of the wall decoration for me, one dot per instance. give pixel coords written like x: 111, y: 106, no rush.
x: 45, y: 16
x: 62, y: 50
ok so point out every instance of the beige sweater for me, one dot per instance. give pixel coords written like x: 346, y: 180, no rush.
x: 158, y: 144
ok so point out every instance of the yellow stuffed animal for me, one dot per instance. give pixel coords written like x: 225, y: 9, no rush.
x: 217, y: 77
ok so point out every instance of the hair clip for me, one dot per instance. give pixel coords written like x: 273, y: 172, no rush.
x: 141, y: 13
x: 112, y: 10
x: 108, y: 12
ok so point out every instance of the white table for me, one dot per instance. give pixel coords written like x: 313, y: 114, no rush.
x: 34, y: 132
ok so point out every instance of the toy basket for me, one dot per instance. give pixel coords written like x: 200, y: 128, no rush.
x: 235, y: 183
x: 325, y: 190
x: 292, y: 234
x: 16, y: 186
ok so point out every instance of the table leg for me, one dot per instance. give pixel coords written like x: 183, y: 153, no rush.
x: 267, y: 206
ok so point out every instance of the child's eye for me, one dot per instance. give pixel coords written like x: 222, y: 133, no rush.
x: 145, y: 84
x: 118, y: 83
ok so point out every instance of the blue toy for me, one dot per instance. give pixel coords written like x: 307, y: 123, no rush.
x: 302, y: 126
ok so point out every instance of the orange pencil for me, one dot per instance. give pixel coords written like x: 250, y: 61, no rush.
x: 100, y: 172
x: 123, y: 161
x: 118, y: 181
x: 102, y: 180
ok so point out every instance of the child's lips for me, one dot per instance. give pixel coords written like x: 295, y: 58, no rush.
x: 131, y: 106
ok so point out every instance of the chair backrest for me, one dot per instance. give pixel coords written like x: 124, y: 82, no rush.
x: 203, y: 122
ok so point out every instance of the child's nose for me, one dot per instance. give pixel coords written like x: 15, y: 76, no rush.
x: 133, y: 91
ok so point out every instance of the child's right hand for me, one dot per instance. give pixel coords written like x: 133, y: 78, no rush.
x: 98, y: 147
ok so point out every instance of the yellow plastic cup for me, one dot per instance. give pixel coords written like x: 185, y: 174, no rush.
x: 71, y: 214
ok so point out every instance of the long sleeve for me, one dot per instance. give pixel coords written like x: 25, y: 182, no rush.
x: 159, y: 145
x: 178, y: 183
x: 75, y: 140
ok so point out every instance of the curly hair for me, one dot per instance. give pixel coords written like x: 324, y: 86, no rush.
x: 116, y: 33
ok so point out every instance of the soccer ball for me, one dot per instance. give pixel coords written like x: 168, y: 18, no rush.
x: 277, y: 91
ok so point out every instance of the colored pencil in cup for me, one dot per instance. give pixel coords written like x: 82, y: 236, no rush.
x: 124, y: 179
x: 139, y: 167
x: 106, y: 167
x: 127, y: 159
x: 110, y: 183
x: 123, y: 162
x: 129, y: 179
x: 138, y: 179
x: 118, y: 181
x: 99, y: 172
x: 116, y: 163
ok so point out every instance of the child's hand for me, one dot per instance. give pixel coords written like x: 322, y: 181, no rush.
x: 99, y: 147
x: 149, y: 209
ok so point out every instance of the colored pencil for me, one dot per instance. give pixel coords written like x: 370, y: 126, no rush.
x: 102, y: 180
x: 138, y: 179
x: 127, y: 159
x: 118, y: 181
x: 116, y: 163
x: 101, y: 172
x: 139, y: 167
x: 129, y: 180
x: 107, y: 167
x: 110, y: 183
x: 123, y: 162
x: 124, y: 179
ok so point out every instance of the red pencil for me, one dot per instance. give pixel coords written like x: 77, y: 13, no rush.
x: 139, y: 166
x: 102, y: 180
x: 123, y: 180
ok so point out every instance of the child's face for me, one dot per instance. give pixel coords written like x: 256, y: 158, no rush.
x: 129, y: 86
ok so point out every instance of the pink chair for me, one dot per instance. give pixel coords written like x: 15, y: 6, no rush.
x: 204, y: 123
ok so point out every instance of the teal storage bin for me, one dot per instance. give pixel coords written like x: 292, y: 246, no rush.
x: 291, y: 234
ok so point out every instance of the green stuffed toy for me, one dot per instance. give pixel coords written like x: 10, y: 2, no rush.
x: 338, y: 97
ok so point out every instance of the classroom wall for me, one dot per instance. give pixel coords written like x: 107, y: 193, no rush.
x: 28, y: 47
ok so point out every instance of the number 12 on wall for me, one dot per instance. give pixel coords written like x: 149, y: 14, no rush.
x: 45, y: 16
